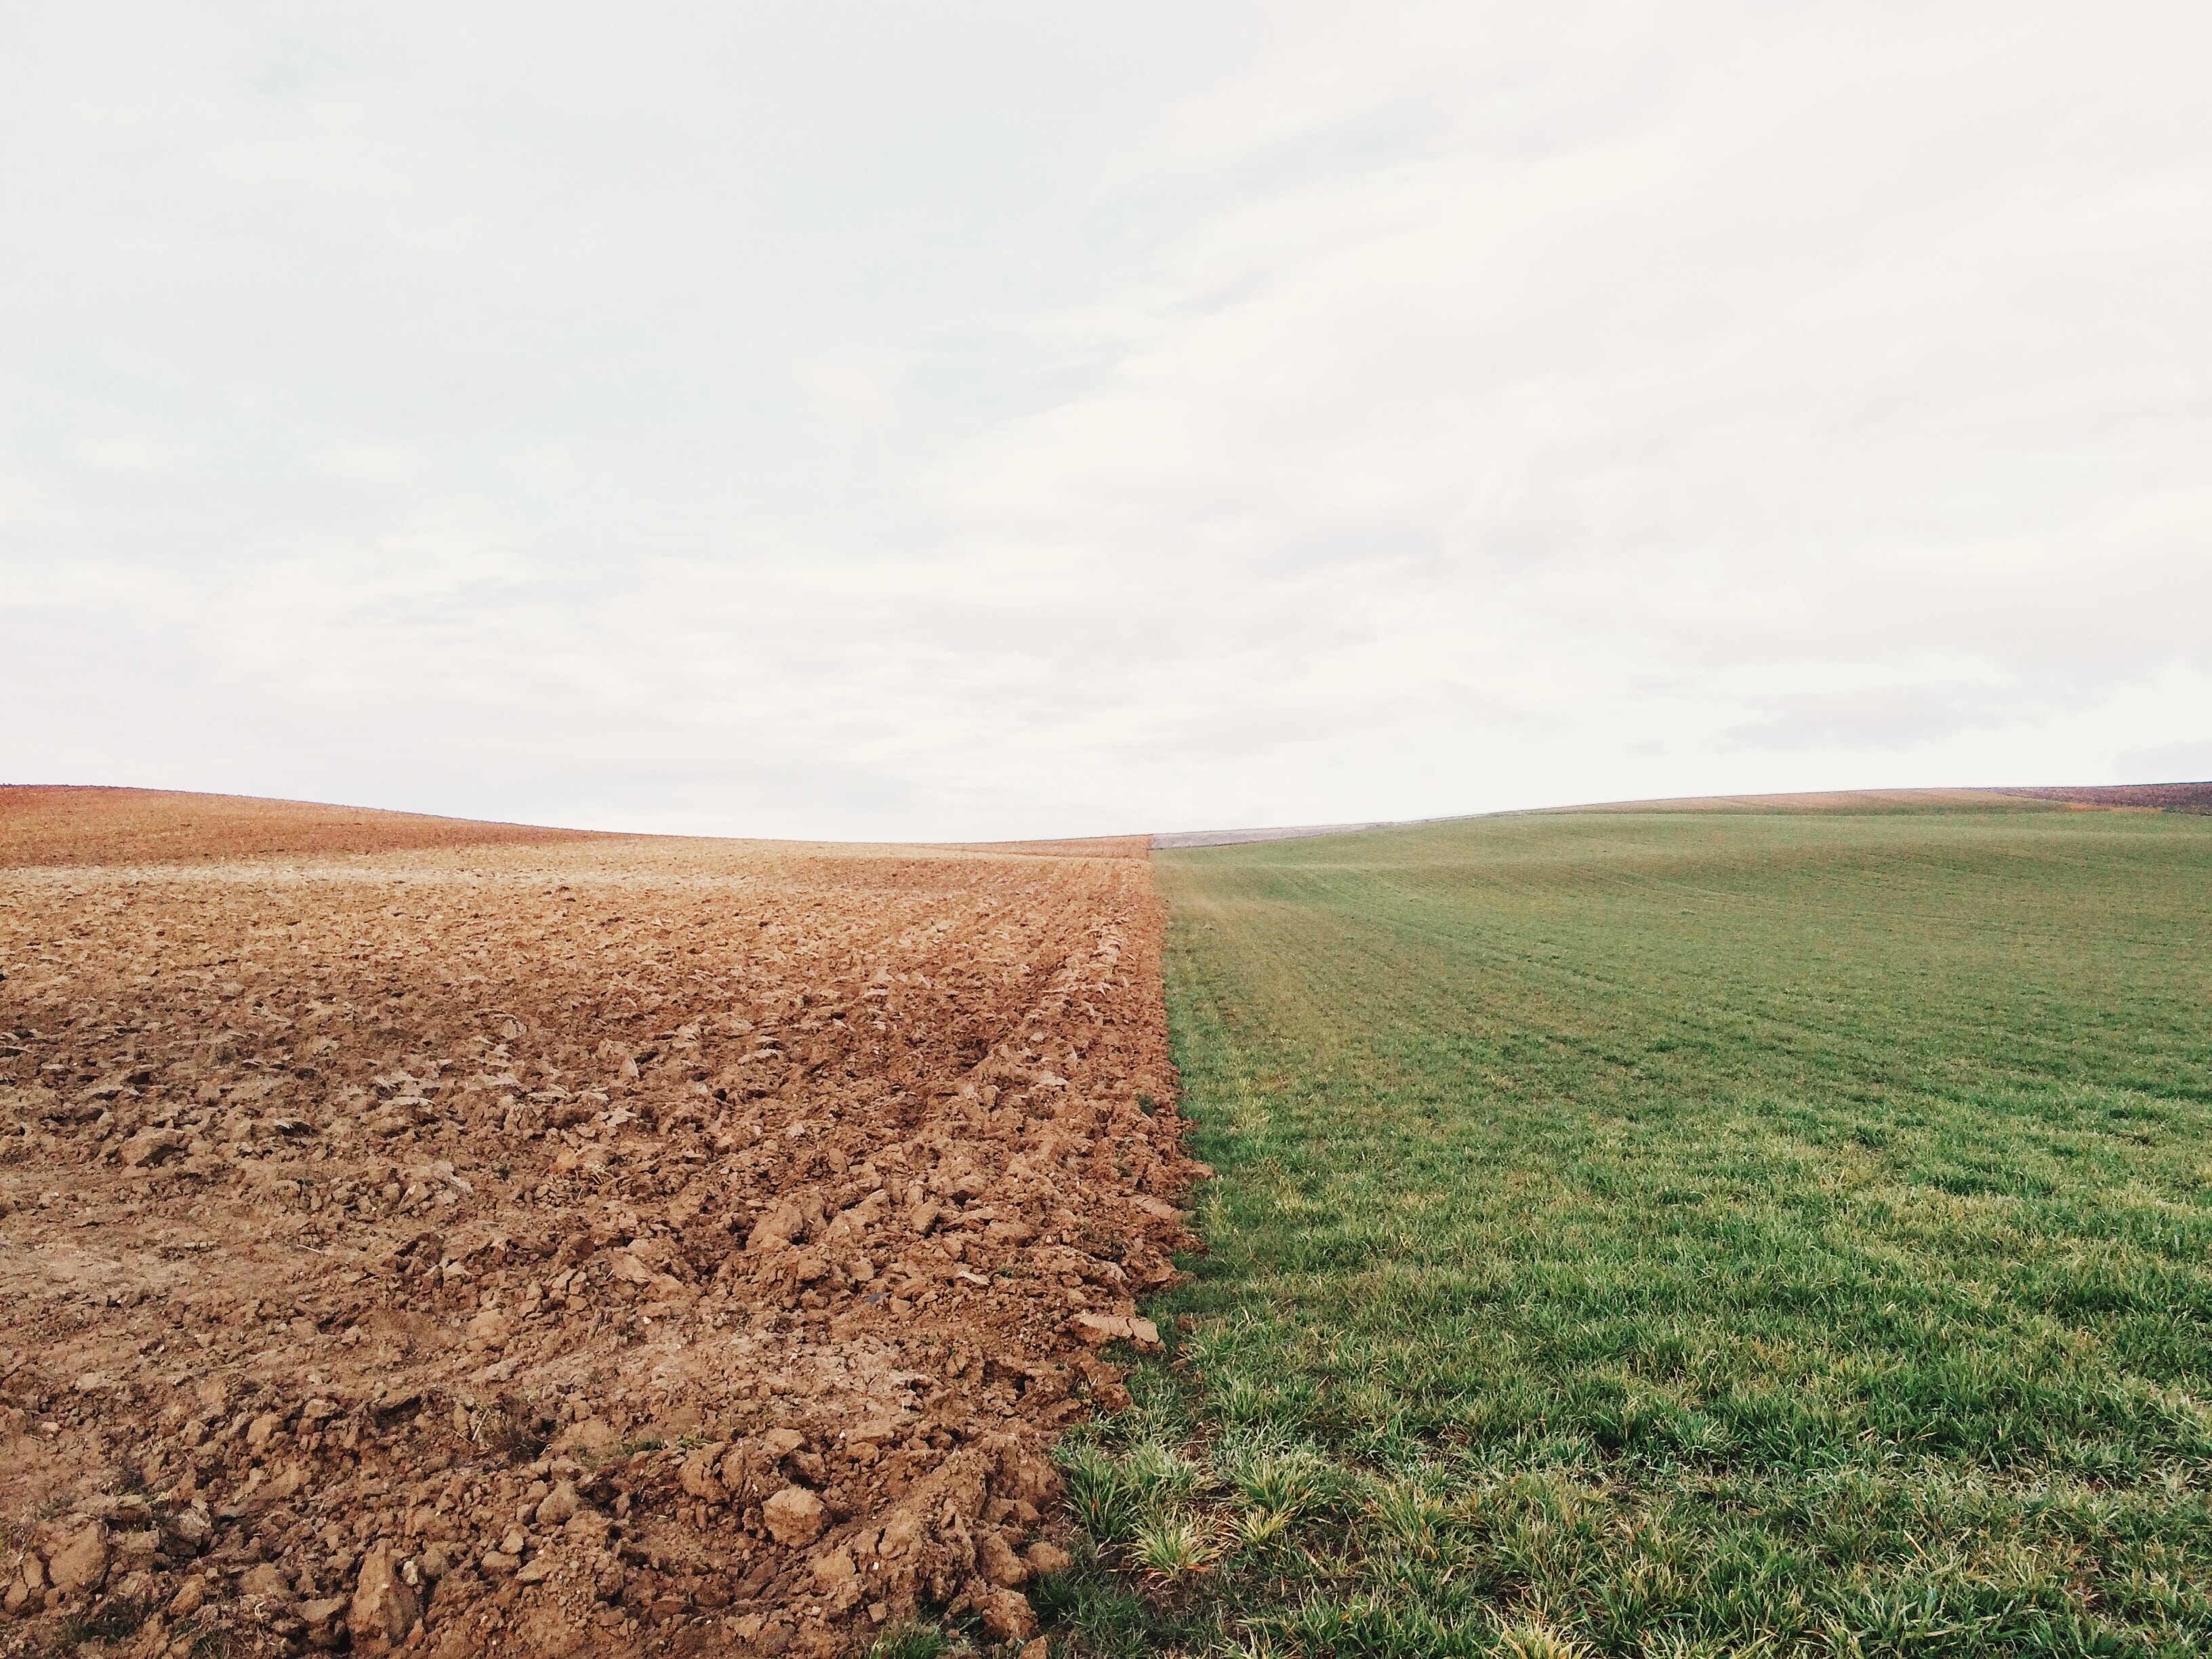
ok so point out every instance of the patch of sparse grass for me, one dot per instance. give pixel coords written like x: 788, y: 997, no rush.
x: 1104, y: 1504
x: 502, y: 1434
x: 1105, y: 1620
x: 1260, y: 1531
x: 112, y: 1619
x: 1282, y: 1483
x: 1159, y: 1476
x: 1685, y: 1235
x: 910, y: 1641
x: 1170, y: 1544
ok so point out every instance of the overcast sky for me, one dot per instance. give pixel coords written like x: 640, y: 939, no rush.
x: 904, y: 422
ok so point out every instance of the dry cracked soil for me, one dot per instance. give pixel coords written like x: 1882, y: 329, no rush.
x: 468, y: 1239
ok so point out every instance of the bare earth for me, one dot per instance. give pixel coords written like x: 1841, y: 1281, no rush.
x: 43, y: 825
x: 1087, y: 847
x: 492, y: 1241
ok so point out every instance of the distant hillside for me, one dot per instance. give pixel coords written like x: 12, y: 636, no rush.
x: 2166, y: 797
x: 2140, y: 797
x: 2115, y: 797
x: 1080, y: 847
x: 1175, y: 838
x: 85, y: 824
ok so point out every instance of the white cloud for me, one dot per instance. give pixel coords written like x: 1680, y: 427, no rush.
x: 991, y: 423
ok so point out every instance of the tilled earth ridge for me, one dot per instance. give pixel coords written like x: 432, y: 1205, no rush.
x: 625, y: 1246
x: 53, y: 824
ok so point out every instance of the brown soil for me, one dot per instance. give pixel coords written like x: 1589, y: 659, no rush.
x: 2127, y: 797
x: 50, y: 824
x: 1087, y: 847
x: 610, y: 1245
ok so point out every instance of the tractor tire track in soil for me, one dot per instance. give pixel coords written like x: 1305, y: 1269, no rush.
x: 550, y: 1244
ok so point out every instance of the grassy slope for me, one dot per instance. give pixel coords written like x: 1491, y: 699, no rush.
x: 1690, y: 1234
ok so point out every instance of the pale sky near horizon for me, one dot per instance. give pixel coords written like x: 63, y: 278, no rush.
x: 896, y: 422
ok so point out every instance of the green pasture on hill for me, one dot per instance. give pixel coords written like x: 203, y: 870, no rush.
x: 1682, y: 1234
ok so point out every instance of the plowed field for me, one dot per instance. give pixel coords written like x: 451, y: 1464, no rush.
x: 490, y: 1241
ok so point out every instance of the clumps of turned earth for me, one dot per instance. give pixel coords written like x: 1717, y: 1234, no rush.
x: 621, y: 1246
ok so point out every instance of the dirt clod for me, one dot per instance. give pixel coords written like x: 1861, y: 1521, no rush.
x: 80, y: 1566
x: 384, y: 1606
x: 795, y: 1515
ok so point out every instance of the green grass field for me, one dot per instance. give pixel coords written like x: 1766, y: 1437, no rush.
x: 1675, y: 1234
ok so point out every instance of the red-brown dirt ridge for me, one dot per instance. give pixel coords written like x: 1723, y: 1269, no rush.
x: 549, y: 1245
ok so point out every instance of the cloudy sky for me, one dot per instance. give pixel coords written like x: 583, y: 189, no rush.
x: 899, y: 422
